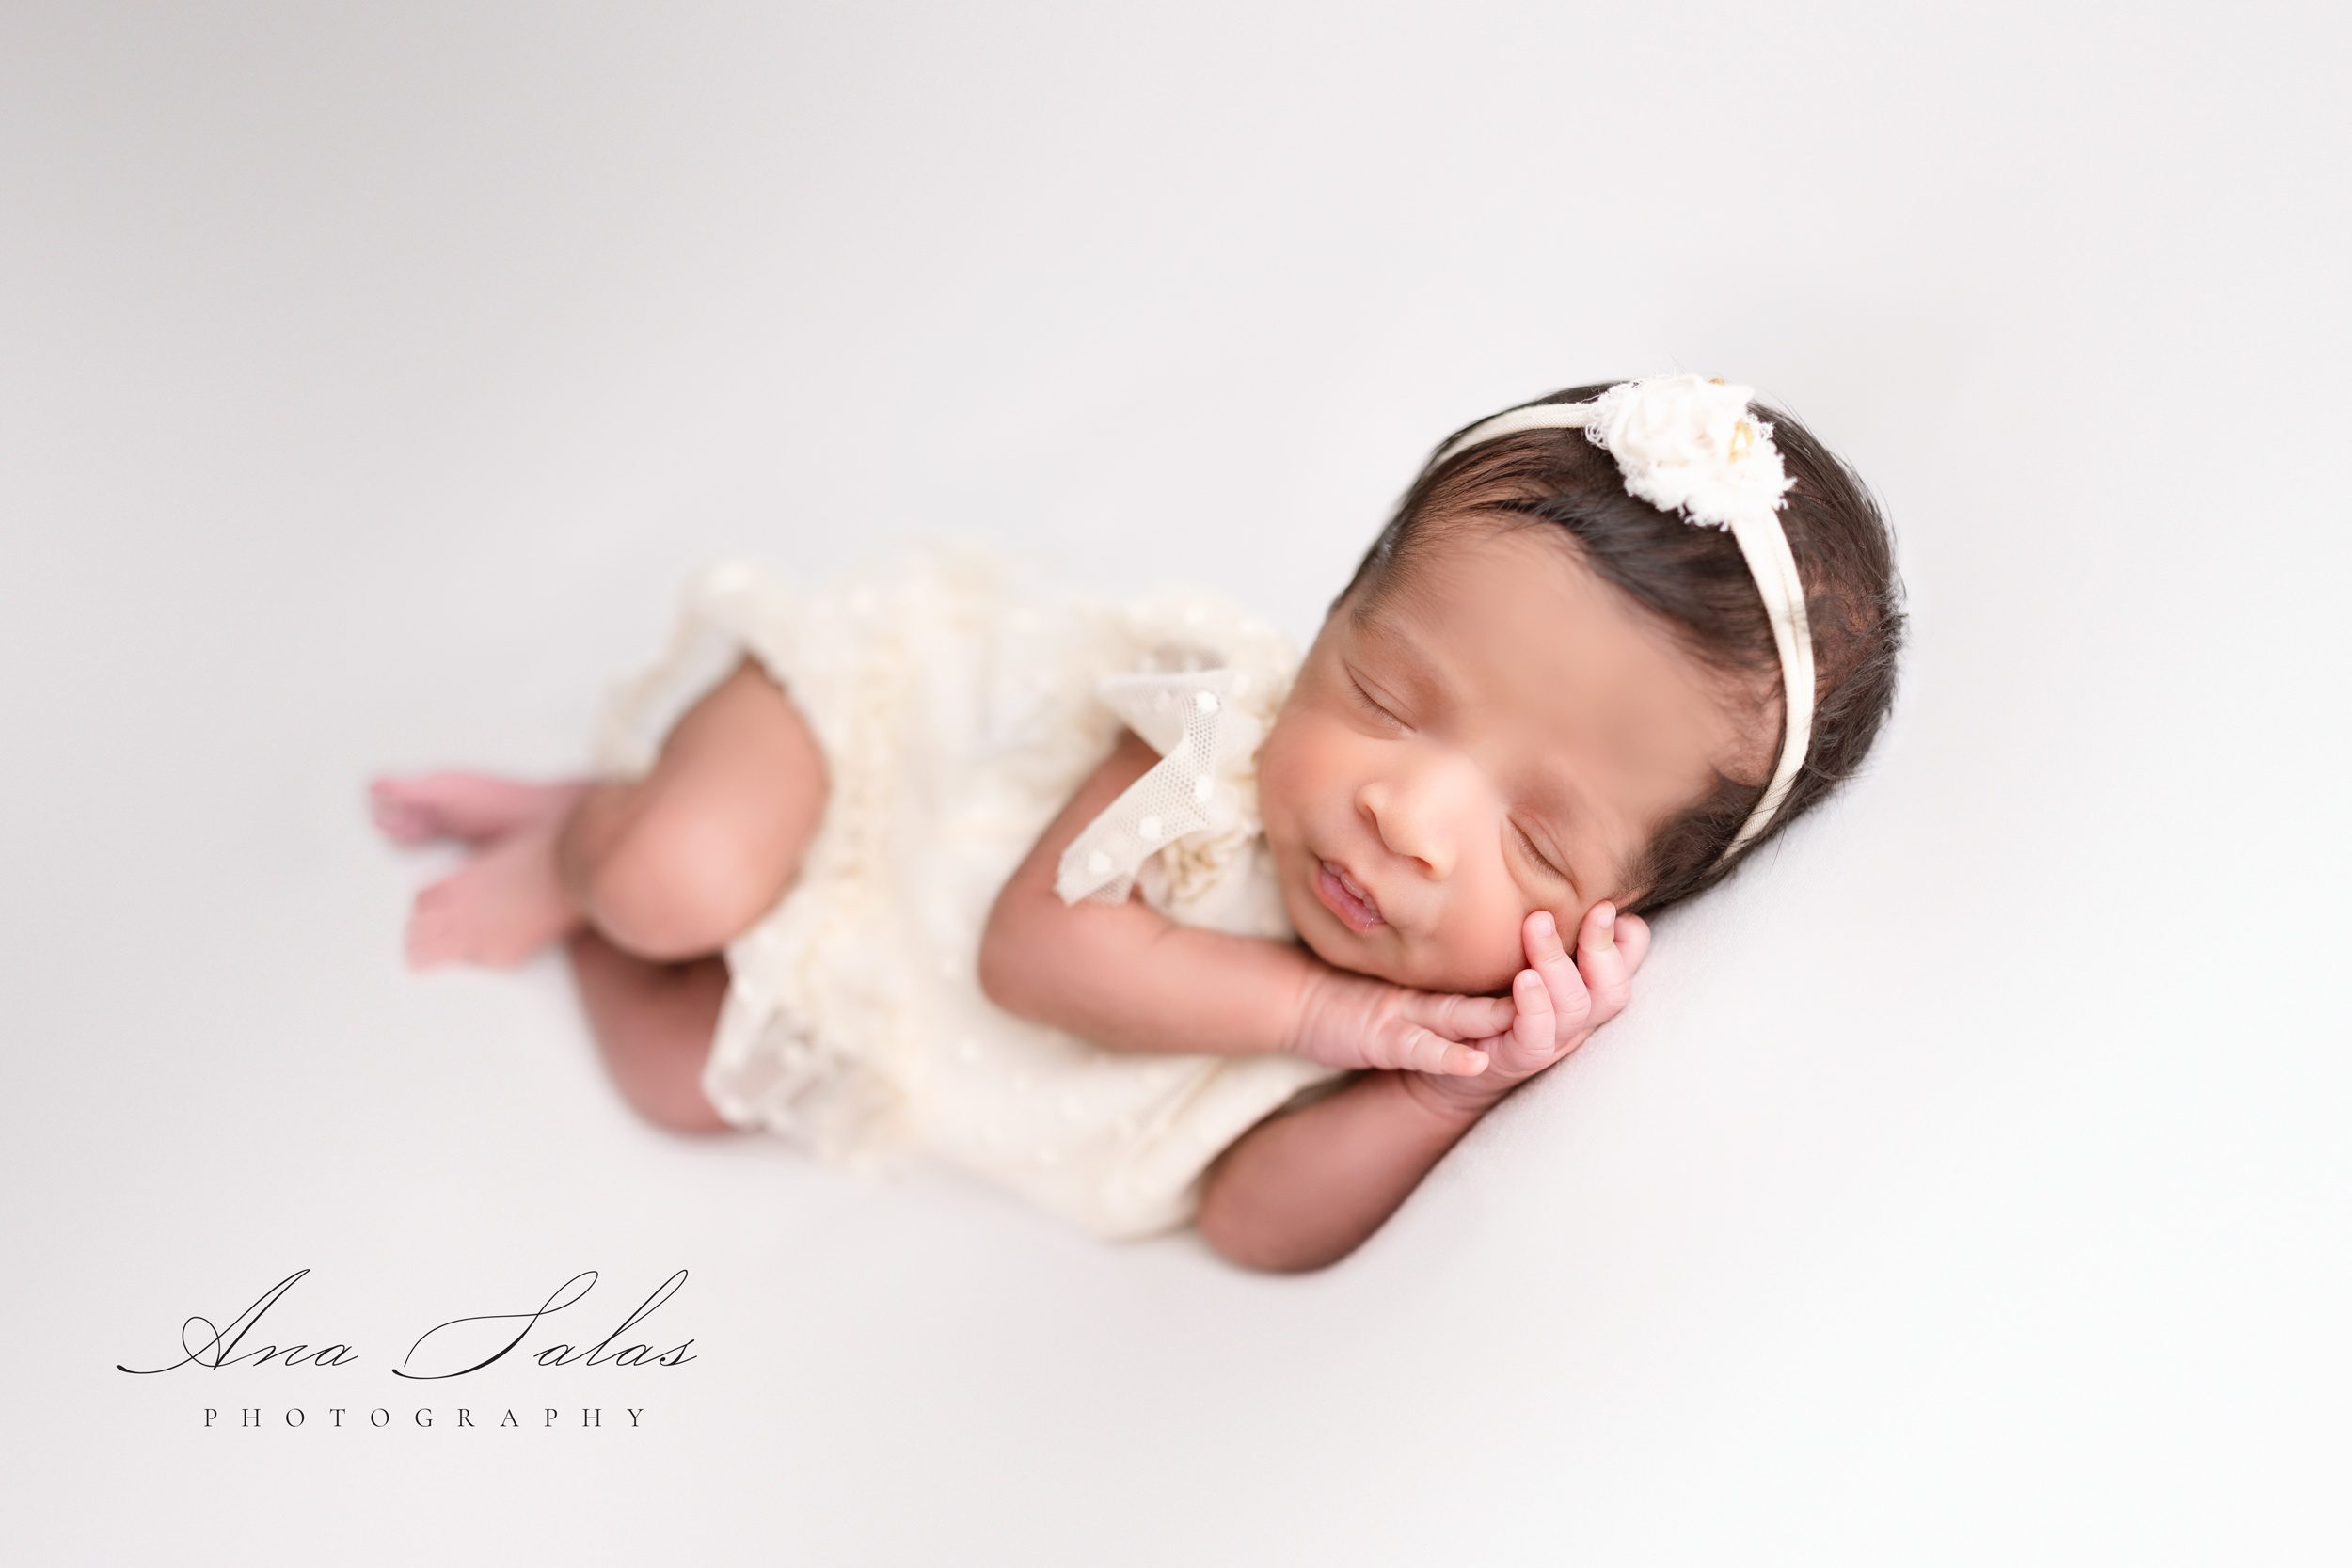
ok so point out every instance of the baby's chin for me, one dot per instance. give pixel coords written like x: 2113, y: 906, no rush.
x: 1380, y: 966
x: 1340, y: 957
x: 1396, y: 968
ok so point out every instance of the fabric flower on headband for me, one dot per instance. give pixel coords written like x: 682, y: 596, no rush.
x: 1689, y: 444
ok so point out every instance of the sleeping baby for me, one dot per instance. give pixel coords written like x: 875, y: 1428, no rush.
x: 1125, y: 907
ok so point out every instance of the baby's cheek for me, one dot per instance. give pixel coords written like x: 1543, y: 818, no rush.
x: 1473, y: 959
x: 1274, y: 776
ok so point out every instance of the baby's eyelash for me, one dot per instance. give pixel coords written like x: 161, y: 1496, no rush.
x: 1370, y: 701
x: 1537, y: 849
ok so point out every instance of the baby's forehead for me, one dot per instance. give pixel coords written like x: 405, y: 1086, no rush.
x: 1534, y: 639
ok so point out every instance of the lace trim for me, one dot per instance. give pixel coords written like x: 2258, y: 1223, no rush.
x: 1200, y: 797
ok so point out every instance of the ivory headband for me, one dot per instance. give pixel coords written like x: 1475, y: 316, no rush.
x: 1691, y: 445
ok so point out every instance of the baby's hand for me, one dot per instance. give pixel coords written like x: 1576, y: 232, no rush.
x: 1558, y: 1003
x: 1347, y: 1019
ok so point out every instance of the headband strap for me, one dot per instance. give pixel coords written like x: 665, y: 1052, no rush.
x: 1690, y: 445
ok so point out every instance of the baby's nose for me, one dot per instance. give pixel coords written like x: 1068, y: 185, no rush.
x: 1411, y: 824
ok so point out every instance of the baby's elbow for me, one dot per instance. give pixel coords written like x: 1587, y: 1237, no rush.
x: 1245, y: 1250
x: 1003, y: 977
x: 1025, y: 963
x: 1262, y: 1253
x: 1243, y: 1234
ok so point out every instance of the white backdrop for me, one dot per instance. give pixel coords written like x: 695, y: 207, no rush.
x: 1967, y: 1182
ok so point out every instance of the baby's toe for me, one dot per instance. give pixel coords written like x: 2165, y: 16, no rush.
x: 401, y: 823
x: 431, y: 937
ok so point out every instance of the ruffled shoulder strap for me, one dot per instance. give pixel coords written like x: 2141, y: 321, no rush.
x: 1207, y: 719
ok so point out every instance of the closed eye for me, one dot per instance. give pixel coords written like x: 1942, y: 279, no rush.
x: 1371, y: 701
x: 1536, y: 850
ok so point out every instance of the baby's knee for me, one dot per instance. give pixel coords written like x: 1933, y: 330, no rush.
x: 676, y: 885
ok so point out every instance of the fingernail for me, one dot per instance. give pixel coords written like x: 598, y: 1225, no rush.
x: 1546, y: 926
x: 1609, y: 922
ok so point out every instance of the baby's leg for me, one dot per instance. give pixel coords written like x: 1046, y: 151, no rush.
x: 475, y: 808
x: 670, y: 866
x: 653, y: 1024
x: 679, y: 863
x: 499, y: 908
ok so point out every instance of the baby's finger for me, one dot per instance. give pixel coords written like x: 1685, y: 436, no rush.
x: 1461, y: 1018
x: 1601, y: 960
x: 1535, y: 1039
x: 1419, y: 1050
x: 1570, y: 1002
x: 1633, y: 938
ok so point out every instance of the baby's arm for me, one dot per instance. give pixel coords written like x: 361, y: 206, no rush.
x: 1124, y: 975
x: 1303, y: 1190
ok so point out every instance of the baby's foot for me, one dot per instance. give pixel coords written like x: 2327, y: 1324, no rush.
x: 474, y: 807
x: 504, y: 906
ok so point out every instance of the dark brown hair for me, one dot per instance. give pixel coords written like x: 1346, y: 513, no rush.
x: 1694, y: 583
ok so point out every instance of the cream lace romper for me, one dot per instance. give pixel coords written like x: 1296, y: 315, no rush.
x: 961, y: 693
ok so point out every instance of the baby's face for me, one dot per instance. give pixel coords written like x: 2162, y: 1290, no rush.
x: 1537, y: 730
